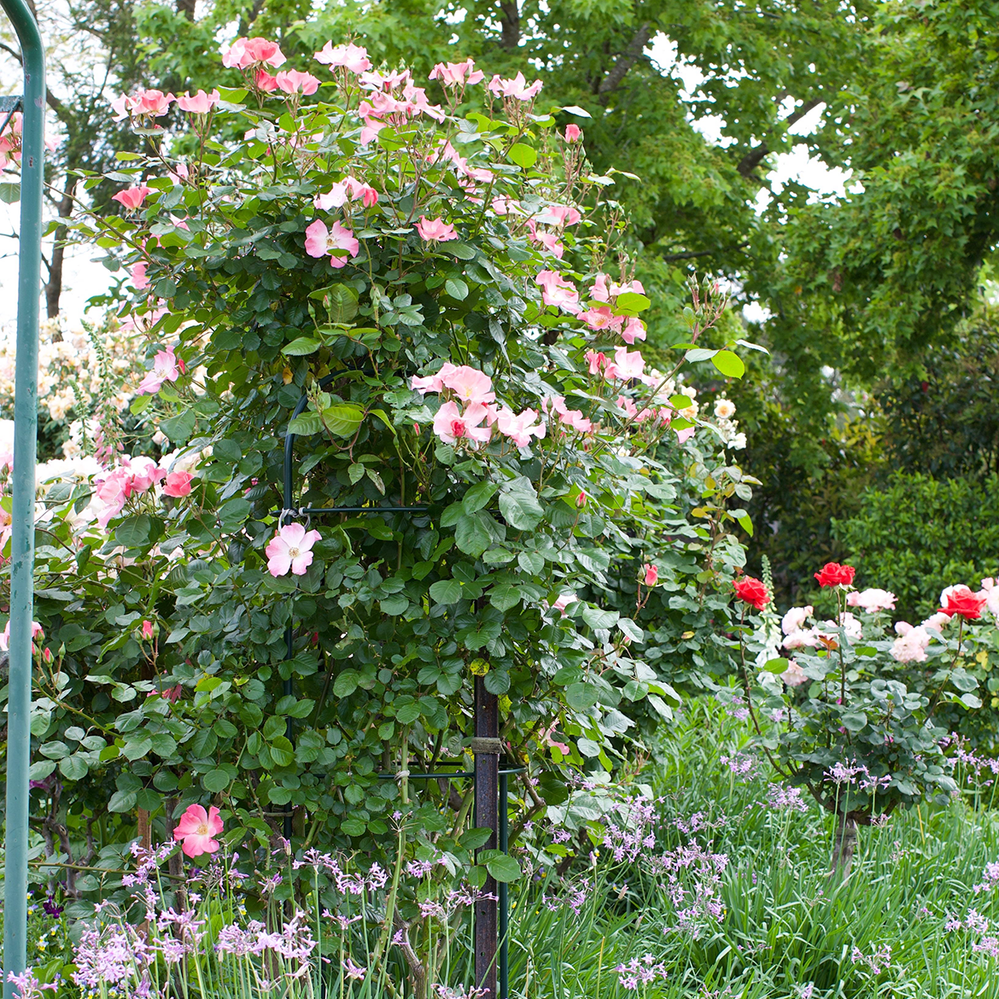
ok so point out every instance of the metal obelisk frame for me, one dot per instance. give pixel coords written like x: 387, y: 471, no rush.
x: 490, y: 943
x: 23, y: 491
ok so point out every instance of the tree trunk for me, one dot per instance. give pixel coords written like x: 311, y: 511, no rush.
x: 844, y: 845
x: 53, y: 287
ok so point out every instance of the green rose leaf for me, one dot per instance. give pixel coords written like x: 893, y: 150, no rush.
x: 519, y: 504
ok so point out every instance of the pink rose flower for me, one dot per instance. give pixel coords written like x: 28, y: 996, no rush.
x: 457, y: 74
x: 153, y: 102
x: 634, y: 329
x: 872, y: 600
x: 453, y: 425
x: 651, y: 574
x: 911, y: 647
x: 350, y: 56
x: 319, y: 241
x: 573, y: 133
x: 200, y: 103
x: 348, y: 189
x: 795, y: 618
x: 557, y: 291
x: 291, y: 550
x: 563, y: 601
x: 36, y: 632
x: 294, y: 82
x: 137, y: 273
x: 435, y: 230
x: 432, y: 383
x: 626, y: 365
x: 147, y: 630
x: 516, y: 88
x: 166, y: 368
x: 246, y: 52
x: 560, y: 215
x: 521, y: 427
x: 132, y: 197
x: 177, y: 484
x: 794, y: 675
x: 197, y: 828
x: 265, y: 82
x: 469, y: 384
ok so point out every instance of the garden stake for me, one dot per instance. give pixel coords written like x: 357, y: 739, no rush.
x: 489, y: 781
x: 486, y: 747
x: 22, y: 545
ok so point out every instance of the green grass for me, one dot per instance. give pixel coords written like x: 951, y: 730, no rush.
x: 779, y: 926
x: 785, y: 926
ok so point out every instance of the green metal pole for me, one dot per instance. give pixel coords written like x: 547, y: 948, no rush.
x: 23, y: 492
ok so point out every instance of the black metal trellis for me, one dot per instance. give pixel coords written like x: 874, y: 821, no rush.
x: 489, y: 779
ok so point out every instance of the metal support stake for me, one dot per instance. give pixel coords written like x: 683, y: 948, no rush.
x: 22, y: 552
x: 486, y: 749
x: 504, y: 894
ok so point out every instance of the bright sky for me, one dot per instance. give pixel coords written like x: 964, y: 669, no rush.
x: 83, y: 277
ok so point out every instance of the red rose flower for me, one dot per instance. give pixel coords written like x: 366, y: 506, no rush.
x: 962, y: 601
x: 834, y: 574
x: 752, y: 591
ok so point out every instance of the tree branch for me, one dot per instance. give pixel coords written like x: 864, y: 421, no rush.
x: 631, y: 54
x: 693, y: 254
x: 752, y: 159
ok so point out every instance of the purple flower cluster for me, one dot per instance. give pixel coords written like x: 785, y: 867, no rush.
x: 693, y: 886
x: 786, y: 799
x: 742, y: 765
x: 574, y: 898
x: 990, y: 878
x: 347, y: 884
x: 640, y: 971
x: 878, y: 961
x: 634, y: 834
x: 857, y: 773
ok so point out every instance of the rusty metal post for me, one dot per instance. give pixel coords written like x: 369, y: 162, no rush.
x: 486, y: 747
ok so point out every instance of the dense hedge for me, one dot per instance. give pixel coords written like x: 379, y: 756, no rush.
x: 920, y: 534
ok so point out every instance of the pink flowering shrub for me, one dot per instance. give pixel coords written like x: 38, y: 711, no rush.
x: 434, y: 285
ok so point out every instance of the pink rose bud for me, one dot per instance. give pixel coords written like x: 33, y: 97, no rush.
x: 573, y: 133
x: 581, y: 499
x: 46, y: 655
x: 651, y: 574
x: 147, y: 629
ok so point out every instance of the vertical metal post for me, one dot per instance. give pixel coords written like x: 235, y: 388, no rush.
x: 486, y: 749
x: 504, y: 895
x: 22, y: 551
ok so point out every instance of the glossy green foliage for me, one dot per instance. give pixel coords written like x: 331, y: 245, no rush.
x: 919, y: 534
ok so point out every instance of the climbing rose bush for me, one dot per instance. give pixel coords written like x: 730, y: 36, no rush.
x: 423, y: 282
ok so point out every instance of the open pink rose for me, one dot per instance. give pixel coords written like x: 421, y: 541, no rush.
x: 246, y: 52
x: 196, y: 830
x: 291, y: 550
x: 294, y: 82
x: 516, y: 88
x: 200, y: 103
x: 132, y: 197
x: 557, y: 291
x: 352, y: 57
x: 469, y: 384
x: 319, y: 241
x: 452, y: 425
x: 166, y: 368
x: 456, y: 74
x: 435, y: 230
